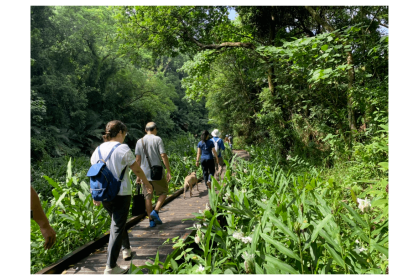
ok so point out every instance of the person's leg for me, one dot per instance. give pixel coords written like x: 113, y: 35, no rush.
x: 148, y: 194
x: 205, y: 170
x: 161, y: 189
x: 119, y: 208
x: 211, y: 168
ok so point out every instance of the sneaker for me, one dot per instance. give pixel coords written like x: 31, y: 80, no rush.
x: 116, y: 270
x: 155, y: 217
x: 208, y: 185
x: 152, y: 223
x: 127, y: 254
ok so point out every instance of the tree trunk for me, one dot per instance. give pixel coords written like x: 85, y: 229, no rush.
x: 350, y: 111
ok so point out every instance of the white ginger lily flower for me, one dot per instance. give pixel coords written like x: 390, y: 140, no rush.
x: 200, y: 268
x: 247, y: 256
x: 238, y: 235
x: 247, y: 239
x: 364, y: 204
x: 197, y: 239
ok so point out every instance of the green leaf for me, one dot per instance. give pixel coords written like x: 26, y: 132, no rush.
x: 336, y: 256
x: 228, y: 271
x: 283, y: 227
x: 379, y: 248
x: 384, y: 165
x: 280, y: 247
x: 258, y: 269
x: 324, y: 47
x: 255, y: 238
x: 355, y: 215
x: 283, y: 266
x: 379, y: 202
x: 51, y: 182
x: 320, y: 226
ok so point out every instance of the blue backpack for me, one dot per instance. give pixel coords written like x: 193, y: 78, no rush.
x: 103, y: 185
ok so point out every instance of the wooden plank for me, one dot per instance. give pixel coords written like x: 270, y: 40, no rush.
x: 85, y: 250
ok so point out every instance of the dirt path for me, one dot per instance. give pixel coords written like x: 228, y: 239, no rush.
x: 145, y: 241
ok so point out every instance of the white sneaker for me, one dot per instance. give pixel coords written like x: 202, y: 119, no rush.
x: 127, y: 254
x: 116, y: 270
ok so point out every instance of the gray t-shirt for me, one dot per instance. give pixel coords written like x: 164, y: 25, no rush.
x: 155, y: 148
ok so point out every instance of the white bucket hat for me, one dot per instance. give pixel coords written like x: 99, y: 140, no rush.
x: 215, y: 133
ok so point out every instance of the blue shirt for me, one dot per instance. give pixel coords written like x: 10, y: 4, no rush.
x: 206, y: 149
x: 220, y: 144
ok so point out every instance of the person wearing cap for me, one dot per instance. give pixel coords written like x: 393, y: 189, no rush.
x: 219, y: 146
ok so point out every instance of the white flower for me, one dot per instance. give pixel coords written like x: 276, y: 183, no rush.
x: 185, y: 158
x: 363, y: 204
x: 245, y: 171
x: 247, y: 239
x: 229, y: 205
x: 362, y: 249
x: 238, y: 235
x: 205, y: 224
x: 263, y: 199
x: 226, y: 197
x: 357, y: 241
x: 200, y: 268
x: 247, y: 256
x: 200, y: 211
x: 288, y: 157
x: 207, y: 206
x: 243, y: 190
x: 197, y: 239
x: 197, y: 226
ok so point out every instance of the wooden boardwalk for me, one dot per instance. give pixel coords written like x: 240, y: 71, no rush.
x: 145, y: 241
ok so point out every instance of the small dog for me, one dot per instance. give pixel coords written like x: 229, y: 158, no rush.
x: 189, y: 181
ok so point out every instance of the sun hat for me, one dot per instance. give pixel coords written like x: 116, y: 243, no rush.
x: 215, y: 133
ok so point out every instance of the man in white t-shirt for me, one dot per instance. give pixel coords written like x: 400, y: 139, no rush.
x: 156, y: 151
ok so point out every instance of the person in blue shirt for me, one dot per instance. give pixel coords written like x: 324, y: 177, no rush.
x: 218, y: 146
x: 206, y: 155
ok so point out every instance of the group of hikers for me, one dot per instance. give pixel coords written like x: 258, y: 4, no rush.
x: 146, y: 164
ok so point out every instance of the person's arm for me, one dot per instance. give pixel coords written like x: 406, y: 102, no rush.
x: 215, y: 155
x: 138, y: 160
x: 39, y: 216
x: 198, y: 156
x: 139, y: 173
x: 168, y: 168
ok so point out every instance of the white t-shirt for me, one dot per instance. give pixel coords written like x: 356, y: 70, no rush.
x: 121, y: 157
x: 155, y: 148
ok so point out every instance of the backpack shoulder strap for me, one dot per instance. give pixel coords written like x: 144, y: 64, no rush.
x: 109, y: 152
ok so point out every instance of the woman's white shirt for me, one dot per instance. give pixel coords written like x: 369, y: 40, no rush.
x: 122, y: 156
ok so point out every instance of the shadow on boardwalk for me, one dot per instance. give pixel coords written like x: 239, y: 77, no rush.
x: 145, y: 241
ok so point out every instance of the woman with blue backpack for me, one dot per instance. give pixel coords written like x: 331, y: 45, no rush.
x: 207, y: 155
x: 111, y: 159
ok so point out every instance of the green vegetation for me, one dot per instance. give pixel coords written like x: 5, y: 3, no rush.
x: 303, y: 89
x: 276, y: 215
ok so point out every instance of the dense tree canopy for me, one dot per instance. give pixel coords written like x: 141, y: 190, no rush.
x: 299, y: 76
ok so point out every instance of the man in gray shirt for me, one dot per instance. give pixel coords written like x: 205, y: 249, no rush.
x: 156, y: 150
